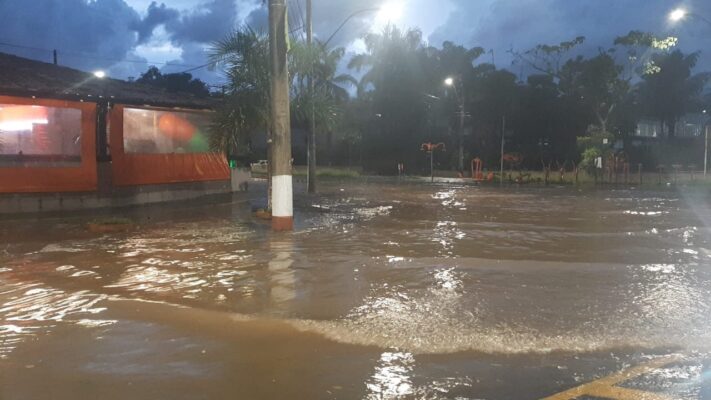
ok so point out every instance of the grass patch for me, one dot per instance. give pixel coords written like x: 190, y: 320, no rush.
x: 321, y: 172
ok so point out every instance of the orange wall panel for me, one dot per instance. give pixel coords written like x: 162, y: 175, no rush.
x: 145, y: 169
x: 82, y: 178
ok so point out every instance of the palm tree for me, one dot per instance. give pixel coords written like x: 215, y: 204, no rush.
x: 243, y: 55
x: 382, y: 49
x: 244, y: 58
x: 322, y: 103
x: 394, y: 82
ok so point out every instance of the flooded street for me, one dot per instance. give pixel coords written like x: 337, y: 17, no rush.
x: 383, y: 291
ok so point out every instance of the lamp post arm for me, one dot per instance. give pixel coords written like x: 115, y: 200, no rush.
x: 350, y: 17
x: 701, y: 17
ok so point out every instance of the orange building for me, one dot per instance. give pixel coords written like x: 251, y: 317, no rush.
x: 73, y: 135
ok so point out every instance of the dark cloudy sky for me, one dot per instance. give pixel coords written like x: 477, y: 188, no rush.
x: 175, y: 34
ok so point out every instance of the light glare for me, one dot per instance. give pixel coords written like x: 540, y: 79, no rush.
x: 390, y: 12
x: 449, y: 81
x: 99, y: 74
x: 21, y: 125
x: 677, y: 14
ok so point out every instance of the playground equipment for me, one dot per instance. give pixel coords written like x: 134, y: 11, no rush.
x: 477, y: 173
x: 430, y: 148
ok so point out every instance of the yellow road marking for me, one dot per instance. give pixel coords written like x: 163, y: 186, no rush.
x: 605, y: 387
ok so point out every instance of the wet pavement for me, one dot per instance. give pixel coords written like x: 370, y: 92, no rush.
x: 384, y: 291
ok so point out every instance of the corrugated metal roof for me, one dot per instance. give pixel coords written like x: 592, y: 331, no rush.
x: 24, y: 77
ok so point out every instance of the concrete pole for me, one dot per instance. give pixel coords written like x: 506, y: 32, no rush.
x: 282, y: 192
x: 461, y: 136
x: 311, y: 156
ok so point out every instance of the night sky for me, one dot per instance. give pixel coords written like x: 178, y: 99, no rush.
x: 103, y: 34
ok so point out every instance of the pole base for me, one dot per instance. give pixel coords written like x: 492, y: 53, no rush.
x: 282, y: 224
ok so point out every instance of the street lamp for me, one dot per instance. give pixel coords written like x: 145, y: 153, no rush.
x: 390, y: 12
x: 387, y: 12
x: 450, y: 81
x: 680, y: 13
x: 677, y: 14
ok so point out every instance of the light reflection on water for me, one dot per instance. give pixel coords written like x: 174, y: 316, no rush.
x: 408, y: 269
x: 391, y: 379
x: 30, y: 310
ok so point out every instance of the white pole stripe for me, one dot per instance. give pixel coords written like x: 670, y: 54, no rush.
x: 282, y: 204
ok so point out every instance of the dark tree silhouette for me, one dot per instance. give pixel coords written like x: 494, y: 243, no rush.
x: 178, y: 82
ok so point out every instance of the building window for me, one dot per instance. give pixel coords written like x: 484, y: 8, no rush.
x: 164, y: 132
x: 39, y: 135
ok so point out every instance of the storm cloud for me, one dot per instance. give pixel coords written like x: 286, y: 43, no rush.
x: 503, y: 25
x: 206, y: 23
x: 101, y: 33
x: 155, y: 16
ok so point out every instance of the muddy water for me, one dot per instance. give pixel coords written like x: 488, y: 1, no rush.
x: 385, y: 290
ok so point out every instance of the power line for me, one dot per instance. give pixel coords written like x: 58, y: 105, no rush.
x: 291, y: 32
x: 198, y: 67
x: 301, y: 17
x: 88, y: 56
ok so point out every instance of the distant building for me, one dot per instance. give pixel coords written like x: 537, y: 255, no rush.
x: 688, y: 126
x: 692, y: 125
x: 649, y: 128
x: 68, y: 137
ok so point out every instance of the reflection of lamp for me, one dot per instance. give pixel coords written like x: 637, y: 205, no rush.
x: 176, y: 127
x: 22, y: 118
x: 19, y: 126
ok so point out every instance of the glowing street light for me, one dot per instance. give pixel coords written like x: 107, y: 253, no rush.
x: 449, y: 81
x: 390, y: 12
x: 677, y: 15
x: 387, y: 13
x: 100, y: 74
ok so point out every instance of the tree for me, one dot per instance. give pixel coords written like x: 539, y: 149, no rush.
x: 595, y: 83
x: 672, y: 90
x: 492, y: 94
x: 323, y: 101
x: 243, y: 56
x: 395, y: 84
x: 178, y: 82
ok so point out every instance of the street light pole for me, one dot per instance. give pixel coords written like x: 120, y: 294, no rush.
x: 311, y: 150
x: 311, y: 147
x: 345, y: 21
x: 282, y: 192
x: 680, y: 13
x: 461, y: 138
x: 451, y: 82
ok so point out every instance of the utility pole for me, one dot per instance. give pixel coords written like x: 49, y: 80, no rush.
x: 311, y: 152
x: 461, y: 136
x: 282, y: 192
x: 54, y: 56
x: 503, y: 138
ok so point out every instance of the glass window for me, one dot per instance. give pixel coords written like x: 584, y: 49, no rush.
x: 164, y: 132
x: 50, y: 136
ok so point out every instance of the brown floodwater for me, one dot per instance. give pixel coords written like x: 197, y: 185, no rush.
x: 385, y: 290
